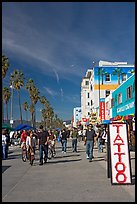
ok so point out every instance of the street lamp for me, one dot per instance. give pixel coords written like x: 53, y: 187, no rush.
x: 11, y: 110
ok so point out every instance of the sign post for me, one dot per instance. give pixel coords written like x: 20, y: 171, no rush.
x: 119, y: 154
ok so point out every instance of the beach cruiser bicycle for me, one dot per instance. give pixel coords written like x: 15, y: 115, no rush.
x: 24, y: 151
x: 51, y: 149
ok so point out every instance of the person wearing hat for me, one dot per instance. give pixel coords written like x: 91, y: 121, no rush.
x: 89, y: 140
x: 43, y: 137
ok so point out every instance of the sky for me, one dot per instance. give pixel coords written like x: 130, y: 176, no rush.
x: 54, y: 43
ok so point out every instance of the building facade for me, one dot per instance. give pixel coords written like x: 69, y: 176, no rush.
x: 123, y: 99
x: 86, y: 95
x: 76, y: 116
x: 105, y: 78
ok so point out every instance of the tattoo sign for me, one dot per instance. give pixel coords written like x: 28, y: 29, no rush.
x: 119, y: 154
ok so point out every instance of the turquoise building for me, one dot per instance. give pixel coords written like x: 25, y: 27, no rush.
x: 123, y: 99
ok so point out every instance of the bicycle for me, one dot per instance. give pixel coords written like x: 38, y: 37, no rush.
x: 31, y: 156
x: 24, y: 152
x: 51, y: 149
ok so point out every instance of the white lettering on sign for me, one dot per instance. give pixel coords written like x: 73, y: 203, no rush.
x: 120, y: 163
x: 126, y: 107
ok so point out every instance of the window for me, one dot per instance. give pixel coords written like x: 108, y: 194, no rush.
x: 91, y: 102
x: 88, y: 95
x: 86, y: 83
x: 91, y: 87
x: 88, y: 113
x: 112, y: 102
x: 107, y: 77
x: 129, y: 92
x: 88, y: 104
x: 107, y: 92
x: 124, y: 77
x: 119, y: 98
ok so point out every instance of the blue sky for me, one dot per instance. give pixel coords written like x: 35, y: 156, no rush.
x: 55, y: 43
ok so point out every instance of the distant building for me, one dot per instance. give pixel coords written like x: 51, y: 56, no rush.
x: 76, y: 116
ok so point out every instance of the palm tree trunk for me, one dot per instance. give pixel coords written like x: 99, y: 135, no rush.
x: 2, y: 111
x: 102, y: 78
x: 32, y: 119
x: 35, y: 116
x: 20, y: 107
x: 27, y: 116
x: 119, y: 79
x: 7, y: 111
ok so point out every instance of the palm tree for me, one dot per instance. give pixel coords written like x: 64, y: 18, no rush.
x: 26, y: 106
x: 17, y: 80
x: 34, y: 96
x: 43, y: 100
x: 6, y: 98
x: 118, y: 71
x: 101, y: 72
x: 32, y: 110
x: 132, y: 71
x: 44, y: 115
x: 50, y: 114
x: 5, y: 66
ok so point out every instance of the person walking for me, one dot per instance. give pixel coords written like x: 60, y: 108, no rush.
x: 43, y: 137
x: 64, y: 140
x: 100, y: 140
x: 74, y: 136
x: 89, y: 140
x: 4, y: 145
x: 30, y: 144
x: 52, y: 140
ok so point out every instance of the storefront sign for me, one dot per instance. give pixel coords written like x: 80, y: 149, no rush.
x: 126, y: 107
x: 102, y: 110
x: 119, y: 154
x: 85, y: 119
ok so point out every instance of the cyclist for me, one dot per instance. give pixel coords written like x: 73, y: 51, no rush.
x: 23, y: 144
x: 52, y: 140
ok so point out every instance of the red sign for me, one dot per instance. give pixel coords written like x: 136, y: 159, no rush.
x: 102, y: 110
x: 119, y: 151
x: 85, y: 119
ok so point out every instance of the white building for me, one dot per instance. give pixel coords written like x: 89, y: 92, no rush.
x: 86, y: 95
x: 98, y: 83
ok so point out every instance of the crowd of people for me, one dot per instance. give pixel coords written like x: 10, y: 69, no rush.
x: 41, y: 138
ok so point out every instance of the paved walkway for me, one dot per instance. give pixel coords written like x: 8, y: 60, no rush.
x: 67, y: 178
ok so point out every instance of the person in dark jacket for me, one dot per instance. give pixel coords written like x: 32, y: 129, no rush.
x: 43, y: 137
x: 64, y: 136
x: 89, y: 139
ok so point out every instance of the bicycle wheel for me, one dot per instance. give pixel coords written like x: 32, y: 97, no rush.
x: 24, y: 156
x: 49, y: 153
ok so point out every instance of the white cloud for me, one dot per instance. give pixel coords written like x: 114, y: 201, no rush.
x: 50, y: 91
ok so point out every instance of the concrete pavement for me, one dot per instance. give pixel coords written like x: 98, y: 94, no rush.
x: 67, y: 178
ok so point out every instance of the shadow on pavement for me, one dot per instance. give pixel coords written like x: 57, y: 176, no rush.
x: 72, y: 155
x: 4, y: 168
x: 15, y: 156
x: 62, y: 161
x: 133, y: 180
